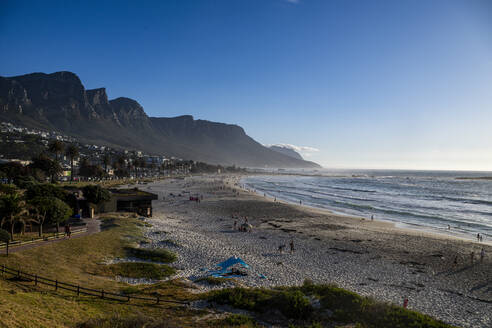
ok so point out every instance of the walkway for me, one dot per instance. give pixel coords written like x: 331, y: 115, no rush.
x: 93, y: 226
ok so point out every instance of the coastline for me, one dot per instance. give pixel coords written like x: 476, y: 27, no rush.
x: 371, y: 258
x: 430, y: 231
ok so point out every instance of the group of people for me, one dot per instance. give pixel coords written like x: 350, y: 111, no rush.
x: 482, y: 256
x: 244, y: 227
x: 479, y: 237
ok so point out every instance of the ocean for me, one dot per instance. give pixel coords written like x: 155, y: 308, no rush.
x: 431, y: 200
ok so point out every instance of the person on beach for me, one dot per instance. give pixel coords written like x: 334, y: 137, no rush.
x: 478, y: 237
x: 235, y: 224
x: 449, y: 227
x: 291, y: 246
x: 481, y: 238
x: 482, y: 254
x: 372, y: 217
x: 455, y: 263
x: 281, y: 248
x: 472, y: 257
x: 300, y: 202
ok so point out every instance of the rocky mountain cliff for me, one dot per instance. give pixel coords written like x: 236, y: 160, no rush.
x: 59, y: 102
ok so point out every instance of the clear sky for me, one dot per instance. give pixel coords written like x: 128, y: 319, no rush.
x: 369, y: 84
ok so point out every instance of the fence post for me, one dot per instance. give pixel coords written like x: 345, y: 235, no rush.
x: 78, y: 290
x: 35, y: 280
x: 56, y: 284
x: 102, y: 293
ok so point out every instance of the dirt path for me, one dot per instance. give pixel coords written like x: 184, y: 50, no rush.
x: 93, y: 226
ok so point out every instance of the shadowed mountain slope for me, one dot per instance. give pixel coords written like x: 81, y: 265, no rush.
x: 59, y: 102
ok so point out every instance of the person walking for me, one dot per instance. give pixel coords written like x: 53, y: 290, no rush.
x: 482, y: 254
x: 291, y: 244
x: 472, y: 257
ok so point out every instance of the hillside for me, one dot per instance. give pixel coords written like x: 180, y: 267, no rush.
x: 59, y: 102
x: 286, y: 151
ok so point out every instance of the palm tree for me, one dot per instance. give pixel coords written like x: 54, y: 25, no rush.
x: 106, y: 162
x: 56, y: 147
x: 72, y: 152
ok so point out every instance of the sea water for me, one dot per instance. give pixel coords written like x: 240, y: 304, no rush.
x: 438, y: 200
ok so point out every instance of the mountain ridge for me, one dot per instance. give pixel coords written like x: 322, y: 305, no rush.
x: 59, y: 101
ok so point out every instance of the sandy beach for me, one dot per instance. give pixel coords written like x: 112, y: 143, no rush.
x: 369, y: 257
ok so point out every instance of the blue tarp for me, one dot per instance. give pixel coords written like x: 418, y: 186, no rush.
x: 231, y: 261
x: 225, y: 267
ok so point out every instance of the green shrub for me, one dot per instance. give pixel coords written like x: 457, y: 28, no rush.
x: 156, y: 255
x: 292, y: 304
x: 213, y: 280
x: 237, y: 320
x: 347, y: 307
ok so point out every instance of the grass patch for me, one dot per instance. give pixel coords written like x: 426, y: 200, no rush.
x: 155, y: 255
x: 129, y: 290
x: 77, y: 261
x: 347, y: 307
x: 292, y: 304
x: 236, y: 320
x: 214, y: 280
x: 118, y: 321
x: 138, y: 270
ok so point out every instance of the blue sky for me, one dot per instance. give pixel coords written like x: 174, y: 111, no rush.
x: 369, y: 84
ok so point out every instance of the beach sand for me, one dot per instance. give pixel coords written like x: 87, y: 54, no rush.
x: 368, y: 257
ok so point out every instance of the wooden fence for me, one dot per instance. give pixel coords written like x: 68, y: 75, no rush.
x: 79, y: 290
x: 32, y: 241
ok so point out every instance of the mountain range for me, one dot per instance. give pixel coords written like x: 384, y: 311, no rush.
x: 286, y: 151
x: 60, y: 102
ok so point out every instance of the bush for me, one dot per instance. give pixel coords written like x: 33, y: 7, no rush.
x: 347, y: 307
x: 237, y: 320
x: 156, y: 255
x: 213, y: 280
x: 292, y: 304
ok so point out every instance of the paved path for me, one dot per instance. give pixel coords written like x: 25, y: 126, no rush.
x: 93, y: 226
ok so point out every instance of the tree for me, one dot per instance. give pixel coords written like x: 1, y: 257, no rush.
x: 12, y: 170
x: 44, y: 190
x: 56, y: 147
x: 8, y: 189
x: 11, y: 208
x: 106, y: 162
x: 47, y: 165
x: 88, y: 170
x: 58, y: 212
x: 41, y: 208
x: 95, y: 194
x: 72, y: 152
x: 5, y: 237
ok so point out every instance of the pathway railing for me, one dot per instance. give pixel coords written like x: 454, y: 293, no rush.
x: 35, y: 240
x: 80, y: 290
